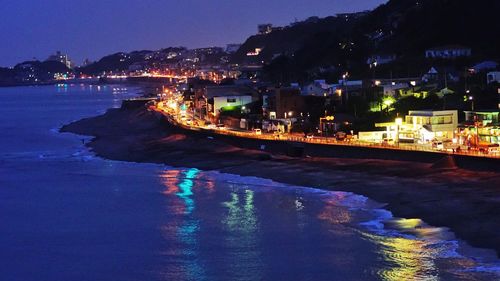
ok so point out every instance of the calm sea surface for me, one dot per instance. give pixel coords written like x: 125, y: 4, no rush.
x: 67, y: 215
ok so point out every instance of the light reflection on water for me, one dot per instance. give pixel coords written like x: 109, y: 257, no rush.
x: 186, y: 233
x: 407, y: 259
x: 241, y: 224
x: 224, y: 230
x: 75, y: 217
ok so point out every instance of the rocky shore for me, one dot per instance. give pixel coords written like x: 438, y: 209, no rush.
x: 465, y: 201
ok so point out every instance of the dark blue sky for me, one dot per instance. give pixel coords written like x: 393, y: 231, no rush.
x: 94, y: 28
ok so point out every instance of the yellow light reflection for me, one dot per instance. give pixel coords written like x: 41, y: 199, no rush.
x: 170, y: 180
x: 409, y: 259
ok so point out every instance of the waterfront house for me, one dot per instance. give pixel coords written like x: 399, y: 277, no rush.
x: 421, y: 126
x: 222, y: 98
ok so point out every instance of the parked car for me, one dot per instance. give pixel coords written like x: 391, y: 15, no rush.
x: 340, y: 136
x: 438, y: 145
x: 487, y: 148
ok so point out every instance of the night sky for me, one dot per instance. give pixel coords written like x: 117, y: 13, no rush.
x: 94, y: 28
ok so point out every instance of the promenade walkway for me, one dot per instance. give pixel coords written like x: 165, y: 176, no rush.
x: 171, y: 116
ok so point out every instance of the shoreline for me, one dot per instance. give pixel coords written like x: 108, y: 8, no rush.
x: 464, y: 201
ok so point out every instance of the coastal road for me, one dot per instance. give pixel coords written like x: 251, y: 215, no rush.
x: 173, y: 114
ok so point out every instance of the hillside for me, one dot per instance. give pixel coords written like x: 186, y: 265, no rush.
x: 114, y: 63
x: 334, y: 45
x: 289, y: 39
x: 410, y: 27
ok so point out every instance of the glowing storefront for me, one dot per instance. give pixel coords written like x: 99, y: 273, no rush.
x: 480, y: 127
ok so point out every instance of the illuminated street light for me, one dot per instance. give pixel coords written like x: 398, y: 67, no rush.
x: 399, y: 122
x: 388, y: 101
x: 471, y: 98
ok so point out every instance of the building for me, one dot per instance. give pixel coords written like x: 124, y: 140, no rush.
x: 265, y: 28
x: 380, y: 59
x: 446, y: 73
x: 493, y: 76
x: 62, y: 58
x: 317, y: 88
x: 480, y: 127
x: 448, y: 52
x: 283, y: 103
x: 255, y: 52
x: 352, y: 16
x: 288, y: 102
x: 232, y: 48
x: 345, y: 89
x: 218, y: 104
x: 422, y: 126
x: 484, y: 66
x: 394, y: 88
x: 212, y: 100
x: 440, y: 124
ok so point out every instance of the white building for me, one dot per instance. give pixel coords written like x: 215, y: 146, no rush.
x: 438, y: 124
x: 317, y: 88
x: 393, y: 88
x: 220, y: 98
x: 381, y: 59
x: 448, y: 52
x: 228, y: 103
x: 422, y: 126
x: 62, y: 58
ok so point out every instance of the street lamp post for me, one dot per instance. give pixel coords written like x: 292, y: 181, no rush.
x: 289, y: 122
x: 399, y: 122
x: 344, y: 80
x: 471, y: 98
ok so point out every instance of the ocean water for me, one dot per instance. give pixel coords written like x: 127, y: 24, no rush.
x: 68, y: 215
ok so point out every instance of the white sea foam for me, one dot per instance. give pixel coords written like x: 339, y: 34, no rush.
x: 377, y: 223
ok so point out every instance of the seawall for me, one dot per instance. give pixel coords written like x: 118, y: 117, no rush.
x: 300, y: 149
